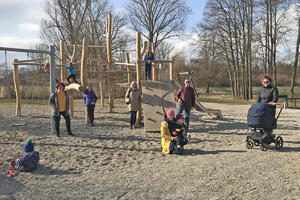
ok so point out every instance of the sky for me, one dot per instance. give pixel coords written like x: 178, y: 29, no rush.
x: 20, y: 23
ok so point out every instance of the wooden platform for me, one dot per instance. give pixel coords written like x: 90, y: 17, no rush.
x: 158, y: 97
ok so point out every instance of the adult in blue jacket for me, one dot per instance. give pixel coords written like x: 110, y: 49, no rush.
x: 71, y: 69
x: 149, y: 57
x: 90, y: 99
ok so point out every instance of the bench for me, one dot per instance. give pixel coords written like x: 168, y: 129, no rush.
x: 286, y: 100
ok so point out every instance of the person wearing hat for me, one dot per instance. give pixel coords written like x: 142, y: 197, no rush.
x: 168, y: 138
x: 29, y: 162
x: 59, y: 102
x: 186, y: 100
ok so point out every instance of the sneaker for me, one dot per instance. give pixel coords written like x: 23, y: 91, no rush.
x: 12, y: 164
x: 57, y: 134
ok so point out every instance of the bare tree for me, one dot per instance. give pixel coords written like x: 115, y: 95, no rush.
x: 158, y: 20
x: 293, y: 81
x: 164, y: 50
x: 72, y: 20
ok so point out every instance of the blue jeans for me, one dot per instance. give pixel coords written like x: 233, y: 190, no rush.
x: 187, y: 110
x: 148, y: 68
x: 132, y: 117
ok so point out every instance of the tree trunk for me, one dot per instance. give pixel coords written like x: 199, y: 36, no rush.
x: 295, y: 62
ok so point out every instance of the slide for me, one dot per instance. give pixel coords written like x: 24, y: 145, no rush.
x: 198, y: 106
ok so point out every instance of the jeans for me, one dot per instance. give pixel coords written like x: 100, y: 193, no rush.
x: 132, y: 117
x: 90, y: 111
x: 57, y: 122
x: 72, y: 76
x: 148, y: 69
x: 187, y: 110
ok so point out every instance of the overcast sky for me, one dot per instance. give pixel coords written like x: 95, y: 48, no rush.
x: 20, y: 22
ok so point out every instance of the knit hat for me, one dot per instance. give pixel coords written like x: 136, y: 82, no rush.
x: 59, y: 84
x: 170, y: 112
x: 28, y: 147
x: 179, y: 116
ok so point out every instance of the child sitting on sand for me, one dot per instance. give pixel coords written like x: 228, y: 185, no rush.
x: 179, y: 132
x: 29, y: 162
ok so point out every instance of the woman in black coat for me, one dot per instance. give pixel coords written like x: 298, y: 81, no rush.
x: 268, y: 93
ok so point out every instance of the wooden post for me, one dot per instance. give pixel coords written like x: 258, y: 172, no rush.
x: 145, y: 46
x: 128, y: 68
x: 17, y: 88
x: 101, y: 83
x: 138, y: 73
x: 84, y: 59
x: 109, y: 61
x: 63, y: 71
x: 154, y: 70
x: 171, y: 68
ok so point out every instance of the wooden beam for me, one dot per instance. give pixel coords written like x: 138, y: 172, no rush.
x: 127, y: 58
x: 158, y: 61
x: 154, y: 69
x: 171, y: 68
x: 110, y: 62
x: 83, y: 68
x: 17, y: 89
x: 63, y: 70
x: 33, y: 60
x: 145, y: 46
x: 125, y: 64
x: 101, y: 81
x: 138, y: 73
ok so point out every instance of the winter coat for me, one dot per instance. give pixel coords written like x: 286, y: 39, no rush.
x: 89, y: 97
x: 71, y: 69
x: 54, y: 104
x: 149, y: 57
x: 166, y: 137
x: 187, y: 95
x: 133, y: 94
x: 268, y: 94
x: 29, y: 162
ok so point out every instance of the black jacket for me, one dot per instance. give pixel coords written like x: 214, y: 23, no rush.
x: 268, y: 94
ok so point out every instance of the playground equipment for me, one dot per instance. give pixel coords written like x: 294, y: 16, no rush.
x: 158, y: 92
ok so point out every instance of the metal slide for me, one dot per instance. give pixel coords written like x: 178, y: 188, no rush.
x: 198, y: 106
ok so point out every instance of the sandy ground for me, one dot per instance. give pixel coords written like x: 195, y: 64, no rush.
x: 110, y: 161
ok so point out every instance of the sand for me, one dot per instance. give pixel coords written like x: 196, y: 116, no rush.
x: 110, y: 161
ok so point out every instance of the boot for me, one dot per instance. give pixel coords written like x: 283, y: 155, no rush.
x: 70, y: 133
x: 57, y: 134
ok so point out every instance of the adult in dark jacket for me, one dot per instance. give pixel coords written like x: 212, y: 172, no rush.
x: 149, y: 57
x: 186, y: 100
x: 59, y: 102
x: 268, y: 93
x: 90, y: 99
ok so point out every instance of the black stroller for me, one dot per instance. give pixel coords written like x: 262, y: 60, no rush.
x: 261, y: 121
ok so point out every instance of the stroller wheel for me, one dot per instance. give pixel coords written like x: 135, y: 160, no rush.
x: 249, y: 144
x: 263, y: 147
x: 278, y: 142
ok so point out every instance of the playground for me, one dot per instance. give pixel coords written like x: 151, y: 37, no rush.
x: 110, y: 161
